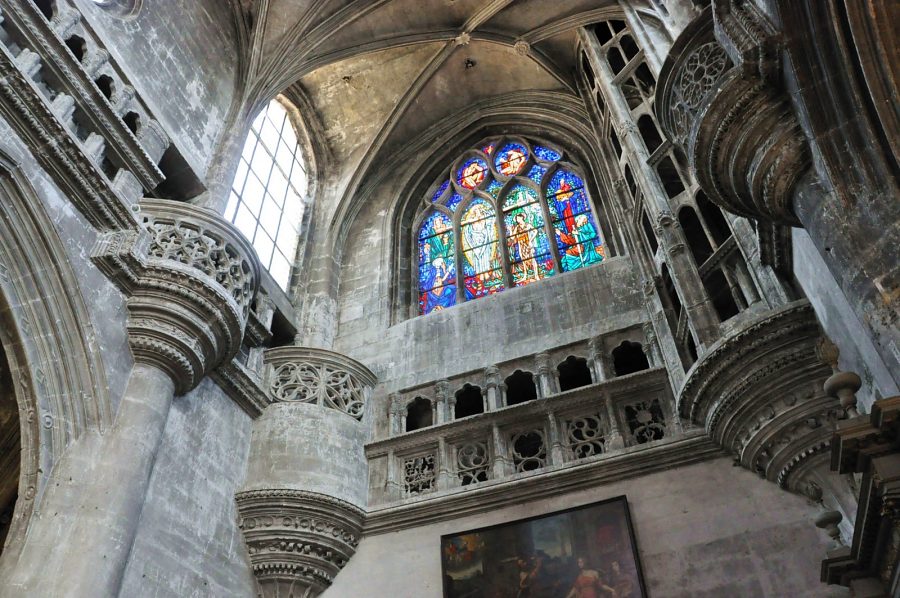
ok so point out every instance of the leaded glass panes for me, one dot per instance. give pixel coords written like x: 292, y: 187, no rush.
x: 266, y: 202
x: 511, y: 159
x: 471, y: 173
x: 482, y: 264
x: 577, y: 237
x: 529, y: 250
x: 529, y: 200
x: 437, y: 264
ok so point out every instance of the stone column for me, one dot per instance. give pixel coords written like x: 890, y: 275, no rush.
x: 595, y: 360
x: 614, y: 440
x: 187, y: 312
x: 494, y: 388
x: 445, y: 464
x: 441, y: 398
x: 557, y: 455
x: 397, y: 415
x: 651, y: 347
x: 502, y: 462
x: 547, y: 383
x: 307, y: 473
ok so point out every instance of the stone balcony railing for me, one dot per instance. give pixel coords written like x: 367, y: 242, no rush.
x: 61, y: 92
x: 190, y: 278
x: 576, y: 427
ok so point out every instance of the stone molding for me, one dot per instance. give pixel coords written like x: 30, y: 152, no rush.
x: 242, y: 386
x: 719, y: 98
x: 759, y: 394
x: 869, y: 445
x: 296, y: 539
x: 190, y: 277
x: 318, y: 376
x: 58, y: 152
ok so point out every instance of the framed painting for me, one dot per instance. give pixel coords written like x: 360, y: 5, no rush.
x: 585, y: 552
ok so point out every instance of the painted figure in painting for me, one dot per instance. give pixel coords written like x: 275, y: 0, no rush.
x: 523, y: 237
x: 589, y: 584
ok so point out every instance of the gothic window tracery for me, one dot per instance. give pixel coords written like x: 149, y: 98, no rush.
x: 269, y: 191
x: 510, y: 213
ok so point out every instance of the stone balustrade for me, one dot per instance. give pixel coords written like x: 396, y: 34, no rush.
x: 190, y: 277
x: 559, y: 430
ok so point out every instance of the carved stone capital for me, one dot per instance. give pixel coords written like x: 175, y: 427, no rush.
x: 719, y: 98
x: 542, y: 363
x: 492, y: 377
x: 190, y: 277
x: 324, y: 378
x: 298, y: 541
x: 442, y: 390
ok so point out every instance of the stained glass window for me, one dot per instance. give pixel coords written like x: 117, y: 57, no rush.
x: 437, y: 263
x: 577, y: 237
x: 526, y: 217
x: 526, y: 237
x: 482, y: 263
x: 269, y: 191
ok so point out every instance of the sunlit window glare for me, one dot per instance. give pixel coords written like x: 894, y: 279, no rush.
x: 266, y: 201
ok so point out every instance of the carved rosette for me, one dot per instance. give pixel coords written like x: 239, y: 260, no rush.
x: 298, y: 541
x: 759, y: 394
x: 320, y: 377
x: 190, y: 277
x: 720, y: 100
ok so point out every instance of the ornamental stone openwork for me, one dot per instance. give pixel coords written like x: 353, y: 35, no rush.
x: 719, y: 98
x: 190, y: 277
x: 298, y: 541
x: 319, y: 377
x: 759, y: 394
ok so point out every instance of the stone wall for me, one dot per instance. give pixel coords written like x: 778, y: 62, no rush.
x: 708, y: 529
x: 188, y: 542
x: 181, y: 56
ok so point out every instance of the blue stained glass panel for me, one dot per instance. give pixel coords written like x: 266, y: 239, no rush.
x: 454, y: 201
x: 546, y: 154
x: 536, y: 173
x: 577, y: 235
x: 511, y: 159
x: 440, y: 191
x: 471, y: 173
x: 494, y: 187
x: 437, y: 266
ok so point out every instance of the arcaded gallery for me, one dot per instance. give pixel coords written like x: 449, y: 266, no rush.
x: 449, y: 299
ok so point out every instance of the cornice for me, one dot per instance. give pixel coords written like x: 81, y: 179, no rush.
x: 242, y: 387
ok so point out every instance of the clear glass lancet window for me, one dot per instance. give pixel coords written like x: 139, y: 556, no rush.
x: 268, y: 192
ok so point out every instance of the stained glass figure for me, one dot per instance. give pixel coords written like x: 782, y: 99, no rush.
x: 437, y: 264
x: 440, y: 191
x: 454, y: 201
x: 511, y: 159
x: 488, y: 149
x: 536, y: 173
x: 482, y: 266
x: 529, y: 248
x: 494, y: 187
x: 471, y: 173
x: 577, y: 238
x: 546, y: 154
